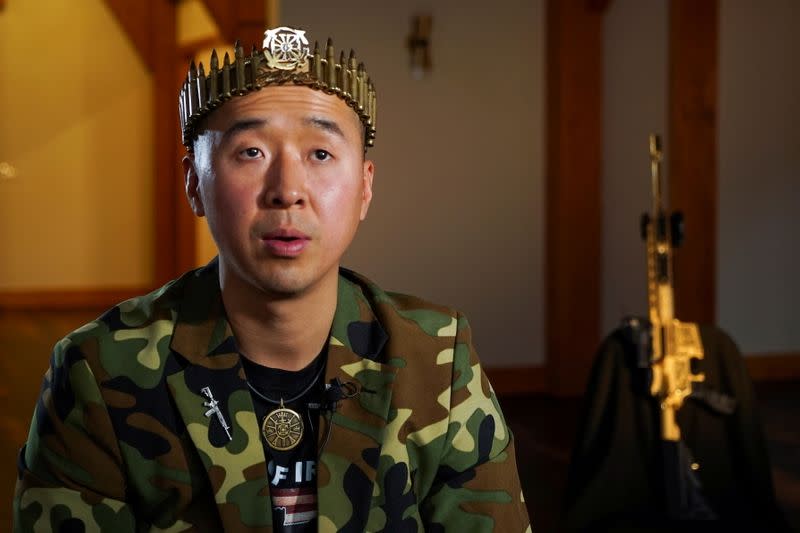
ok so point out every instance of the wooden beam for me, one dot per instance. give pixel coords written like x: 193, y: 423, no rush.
x: 165, y: 140
x: 135, y: 19
x: 273, y: 14
x: 189, y: 49
x: 692, y: 152
x: 244, y: 20
x: 600, y: 6
x: 574, y: 208
x: 222, y: 13
x: 184, y: 230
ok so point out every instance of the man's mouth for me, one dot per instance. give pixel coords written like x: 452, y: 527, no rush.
x: 286, y: 242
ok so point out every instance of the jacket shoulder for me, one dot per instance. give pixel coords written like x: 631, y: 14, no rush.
x: 132, y: 338
x: 395, y: 308
x: 136, y: 312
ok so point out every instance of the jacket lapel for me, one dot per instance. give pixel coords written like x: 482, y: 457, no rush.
x: 349, y: 460
x: 235, y: 466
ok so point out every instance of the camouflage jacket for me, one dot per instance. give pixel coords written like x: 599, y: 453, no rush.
x: 120, y: 442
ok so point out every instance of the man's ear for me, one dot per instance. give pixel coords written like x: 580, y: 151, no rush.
x: 191, y: 182
x: 368, y: 171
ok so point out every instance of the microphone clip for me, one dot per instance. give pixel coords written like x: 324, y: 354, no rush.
x: 336, y: 391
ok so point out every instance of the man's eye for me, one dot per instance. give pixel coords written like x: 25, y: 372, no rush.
x: 251, y: 153
x: 322, y: 155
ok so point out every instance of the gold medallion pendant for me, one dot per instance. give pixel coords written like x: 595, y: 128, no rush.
x: 282, y: 428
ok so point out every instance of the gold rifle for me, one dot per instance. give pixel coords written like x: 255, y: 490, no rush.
x: 674, y: 343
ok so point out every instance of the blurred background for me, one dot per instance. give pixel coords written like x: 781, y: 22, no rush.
x: 511, y: 169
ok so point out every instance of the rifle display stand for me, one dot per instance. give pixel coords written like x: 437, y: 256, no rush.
x: 620, y: 467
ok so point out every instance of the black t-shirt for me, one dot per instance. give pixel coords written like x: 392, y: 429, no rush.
x: 292, y: 473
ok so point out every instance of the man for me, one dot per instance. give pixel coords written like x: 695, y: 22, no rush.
x: 272, y: 390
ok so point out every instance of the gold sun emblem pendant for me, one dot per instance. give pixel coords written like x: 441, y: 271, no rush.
x: 283, y: 428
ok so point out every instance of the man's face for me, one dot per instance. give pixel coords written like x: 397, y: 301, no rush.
x: 280, y: 175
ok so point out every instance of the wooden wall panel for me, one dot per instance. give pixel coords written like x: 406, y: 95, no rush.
x: 692, y: 152
x: 574, y: 209
x: 773, y: 367
x: 518, y: 380
x: 67, y: 300
x: 151, y: 27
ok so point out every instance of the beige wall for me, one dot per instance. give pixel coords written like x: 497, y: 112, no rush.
x: 75, y: 107
x: 759, y: 174
x: 458, y: 213
x: 759, y: 156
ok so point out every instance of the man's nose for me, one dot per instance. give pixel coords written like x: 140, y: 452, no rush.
x: 286, y: 182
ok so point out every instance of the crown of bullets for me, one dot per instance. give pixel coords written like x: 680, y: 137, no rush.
x: 284, y: 59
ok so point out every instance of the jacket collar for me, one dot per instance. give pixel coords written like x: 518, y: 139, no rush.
x: 236, y: 468
x: 201, y: 330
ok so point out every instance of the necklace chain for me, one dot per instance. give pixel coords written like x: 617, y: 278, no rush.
x: 290, y: 400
